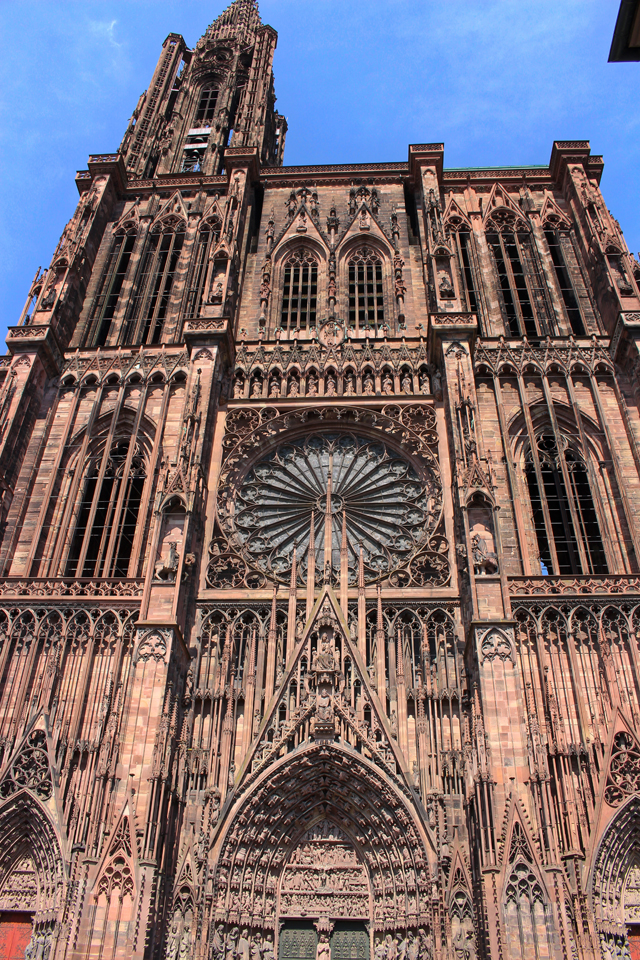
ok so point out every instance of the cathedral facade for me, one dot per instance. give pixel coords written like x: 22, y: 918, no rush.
x: 319, y: 551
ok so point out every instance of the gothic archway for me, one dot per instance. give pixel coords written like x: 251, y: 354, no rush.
x: 31, y: 873
x: 615, y: 884
x: 323, y: 835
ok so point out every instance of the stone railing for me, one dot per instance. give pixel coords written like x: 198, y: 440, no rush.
x: 54, y: 587
x: 586, y: 585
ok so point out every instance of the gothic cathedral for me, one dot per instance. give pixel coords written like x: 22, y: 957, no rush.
x: 319, y: 551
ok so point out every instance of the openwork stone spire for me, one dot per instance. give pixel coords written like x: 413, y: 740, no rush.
x: 240, y: 21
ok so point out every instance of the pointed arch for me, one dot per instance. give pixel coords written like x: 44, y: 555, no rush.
x: 29, y: 845
x: 615, y: 875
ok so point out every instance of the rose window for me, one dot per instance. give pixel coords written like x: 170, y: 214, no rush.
x: 305, y: 492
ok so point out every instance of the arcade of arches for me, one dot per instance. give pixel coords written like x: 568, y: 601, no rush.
x: 319, y: 551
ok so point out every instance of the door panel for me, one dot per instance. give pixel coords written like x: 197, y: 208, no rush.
x: 15, y: 934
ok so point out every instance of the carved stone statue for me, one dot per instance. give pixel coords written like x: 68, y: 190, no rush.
x: 387, y: 384
x: 238, y: 388
x: 166, y: 568
x: 369, y: 385
x: 331, y: 386
x: 256, y: 388
x: 294, y: 387
x: 312, y: 386
x: 425, y: 387
x: 323, y: 951
x: 406, y: 384
x: 274, y: 387
x: 484, y: 561
x: 267, y: 948
x: 349, y: 386
x: 243, y: 950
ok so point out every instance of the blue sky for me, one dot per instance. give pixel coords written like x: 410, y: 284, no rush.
x: 496, y: 80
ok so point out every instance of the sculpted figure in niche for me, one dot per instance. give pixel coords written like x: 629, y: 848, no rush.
x: 323, y: 951
x: 217, y: 944
x: 331, y: 385
x: 369, y: 385
x: 243, y: 949
x: 185, y: 944
x: 274, y: 387
x: 446, y: 287
x: 407, y: 386
x: 349, y: 385
x: 256, y: 388
x: 267, y: 948
x: 379, y: 952
x: 294, y: 387
x: 387, y: 384
x: 230, y: 945
x: 166, y: 567
x: 312, y: 386
x: 424, y: 384
x: 238, y: 388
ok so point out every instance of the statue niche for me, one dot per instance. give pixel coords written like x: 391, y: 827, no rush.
x: 325, y: 878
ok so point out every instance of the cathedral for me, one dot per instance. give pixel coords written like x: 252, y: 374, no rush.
x: 319, y: 551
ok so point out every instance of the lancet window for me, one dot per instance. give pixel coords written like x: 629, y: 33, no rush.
x: 299, y: 291
x: 466, y: 261
x: 206, y: 105
x: 109, y: 287
x: 207, y: 237
x: 563, y: 507
x: 106, y: 520
x: 366, y: 291
x: 520, y: 287
x: 149, y: 303
x: 564, y: 282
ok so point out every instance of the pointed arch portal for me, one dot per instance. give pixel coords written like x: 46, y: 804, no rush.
x: 323, y: 836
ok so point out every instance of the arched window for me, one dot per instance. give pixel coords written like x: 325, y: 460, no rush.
x: 206, y: 105
x: 299, y: 291
x: 555, y: 243
x: 366, y: 295
x: 520, y: 288
x: 106, y: 521
x: 564, y: 513
x: 207, y: 237
x: 106, y: 299
x: 147, y: 310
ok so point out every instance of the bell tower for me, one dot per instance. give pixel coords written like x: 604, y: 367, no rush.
x: 202, y: 101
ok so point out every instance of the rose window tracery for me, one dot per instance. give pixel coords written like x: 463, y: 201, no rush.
x: 306, y: 492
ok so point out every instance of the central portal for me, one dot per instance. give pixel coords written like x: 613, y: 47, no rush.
x: 324, y: 884
x: 348, y: 941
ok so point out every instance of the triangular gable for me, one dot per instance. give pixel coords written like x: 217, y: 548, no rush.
x: 302, y: 227
x: 454, y: 216
x: 372, y: 231
x: 552, y: 215
x: 327, y: 612
x: 518, y: 845
x: 172, y: 210
x: 119, y: 846
x: 499, y: 201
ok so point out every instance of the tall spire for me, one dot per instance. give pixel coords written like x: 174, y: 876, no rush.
x: 240, y: 21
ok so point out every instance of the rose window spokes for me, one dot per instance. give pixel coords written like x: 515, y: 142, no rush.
x: 302, y: 495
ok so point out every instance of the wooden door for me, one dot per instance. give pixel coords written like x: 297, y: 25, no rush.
x: 15, y: 934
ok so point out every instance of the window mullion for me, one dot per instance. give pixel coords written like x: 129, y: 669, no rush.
x: 125, y: 476
x: 100, y: 480
x: 564, y: 470
x: 515, y: 297
x: 533, y: 446
x: 527, y: 267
